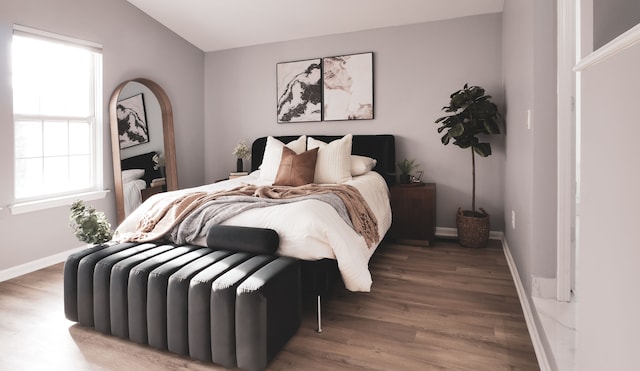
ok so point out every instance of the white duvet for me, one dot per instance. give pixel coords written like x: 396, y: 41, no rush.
x: 132, y: 195
x: 309, y: 229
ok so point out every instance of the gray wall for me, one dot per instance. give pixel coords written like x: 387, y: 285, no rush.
x: 609, y: 253
x: 134, y: 46
x: 529, y: 40
x: 612, y: 18
x: 416, y: 68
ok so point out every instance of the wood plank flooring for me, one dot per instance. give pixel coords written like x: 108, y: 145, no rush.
x: 436, y: 308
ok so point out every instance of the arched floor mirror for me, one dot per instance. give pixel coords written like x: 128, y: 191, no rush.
x: 142, y: 138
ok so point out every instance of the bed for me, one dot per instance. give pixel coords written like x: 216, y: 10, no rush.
x: 137, y: 174
x: 311, y: 230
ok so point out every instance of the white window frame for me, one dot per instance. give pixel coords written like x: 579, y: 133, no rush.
x: 96, y: 191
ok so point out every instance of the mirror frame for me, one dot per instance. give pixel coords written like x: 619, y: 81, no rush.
x: 171, y: 172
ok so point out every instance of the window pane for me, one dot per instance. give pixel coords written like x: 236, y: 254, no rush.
x: 80, y: 138
x: 56, y: 138
x: 51, y: 78
x: 56, y: 174
x: 28, y: 139
x: 80, y: 172
x: 28, y: 177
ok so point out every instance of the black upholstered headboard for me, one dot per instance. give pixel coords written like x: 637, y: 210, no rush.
x: 143, y: 161
x: 381, y: 147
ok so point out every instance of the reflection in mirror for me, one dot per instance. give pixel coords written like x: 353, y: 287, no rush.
x: 142, y: 143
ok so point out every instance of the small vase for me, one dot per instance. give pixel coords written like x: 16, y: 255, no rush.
x: 239, y: 165
x: 404, y: 179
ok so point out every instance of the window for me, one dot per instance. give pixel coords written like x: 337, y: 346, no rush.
x: 57, y: 107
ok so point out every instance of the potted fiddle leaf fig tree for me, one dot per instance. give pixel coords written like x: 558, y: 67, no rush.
x: 471, y: 116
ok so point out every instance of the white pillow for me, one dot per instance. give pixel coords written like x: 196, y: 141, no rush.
x: 132, y: 174
x: 333, y: 164
x: 361, y: 164
x: 273, y: 154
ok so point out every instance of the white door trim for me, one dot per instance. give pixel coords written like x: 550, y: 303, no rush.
x: 566, y: 92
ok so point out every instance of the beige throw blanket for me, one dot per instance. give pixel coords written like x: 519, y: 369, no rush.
x: 167, y: 212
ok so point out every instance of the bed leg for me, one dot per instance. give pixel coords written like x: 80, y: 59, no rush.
x: 319, y: 316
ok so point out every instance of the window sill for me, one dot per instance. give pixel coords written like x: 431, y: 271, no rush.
x: 27, y: 207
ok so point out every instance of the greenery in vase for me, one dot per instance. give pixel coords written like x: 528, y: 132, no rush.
x: 406, y: 166
x: 158, y: 161
x: 88, y: 225
x: 242, y: 151
x: 471, y: 114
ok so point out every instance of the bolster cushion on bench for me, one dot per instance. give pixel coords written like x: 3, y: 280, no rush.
x: 248, y: 239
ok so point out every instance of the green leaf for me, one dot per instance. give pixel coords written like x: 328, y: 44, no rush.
x: 462, y: 144
x: 491, y: 126
x: 483, y: 149
x: 456, y: 130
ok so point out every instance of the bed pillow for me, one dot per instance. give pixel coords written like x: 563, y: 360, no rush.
x: 334, y: 160
x: 132, y: 174
x: 296, y: 169
x: 361, y: 165
x: 273, y: 154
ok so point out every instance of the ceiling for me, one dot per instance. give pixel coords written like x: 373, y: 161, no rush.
x: 224, y: 24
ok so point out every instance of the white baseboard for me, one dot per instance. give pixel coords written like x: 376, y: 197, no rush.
x: 541, y: 354
x: 446, y: 232
x: 35, y: 265
x: 453, y: 233
x: 544, y: 288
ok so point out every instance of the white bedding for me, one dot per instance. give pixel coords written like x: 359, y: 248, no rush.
x: 309, y: 229
x: 132, y: 195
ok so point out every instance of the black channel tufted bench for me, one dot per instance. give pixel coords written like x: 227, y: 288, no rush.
x: 233, y: 303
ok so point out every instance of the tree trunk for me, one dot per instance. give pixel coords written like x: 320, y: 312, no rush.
x: 473, y: 188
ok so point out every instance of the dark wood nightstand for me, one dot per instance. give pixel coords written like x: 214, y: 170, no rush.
x: 148, y: 192
x: 414, y: 213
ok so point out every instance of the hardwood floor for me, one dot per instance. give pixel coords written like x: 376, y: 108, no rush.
x: 442, y: 307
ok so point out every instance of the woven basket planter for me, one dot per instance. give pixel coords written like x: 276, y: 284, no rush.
x: 473, y: 231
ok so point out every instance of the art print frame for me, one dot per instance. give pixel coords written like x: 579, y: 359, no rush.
x: 132, y: 121
x: 299, y: 91
x: 348, y: 87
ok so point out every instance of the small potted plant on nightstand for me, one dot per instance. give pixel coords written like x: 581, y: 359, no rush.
x: 406, y: 166
x: 471, y: 114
